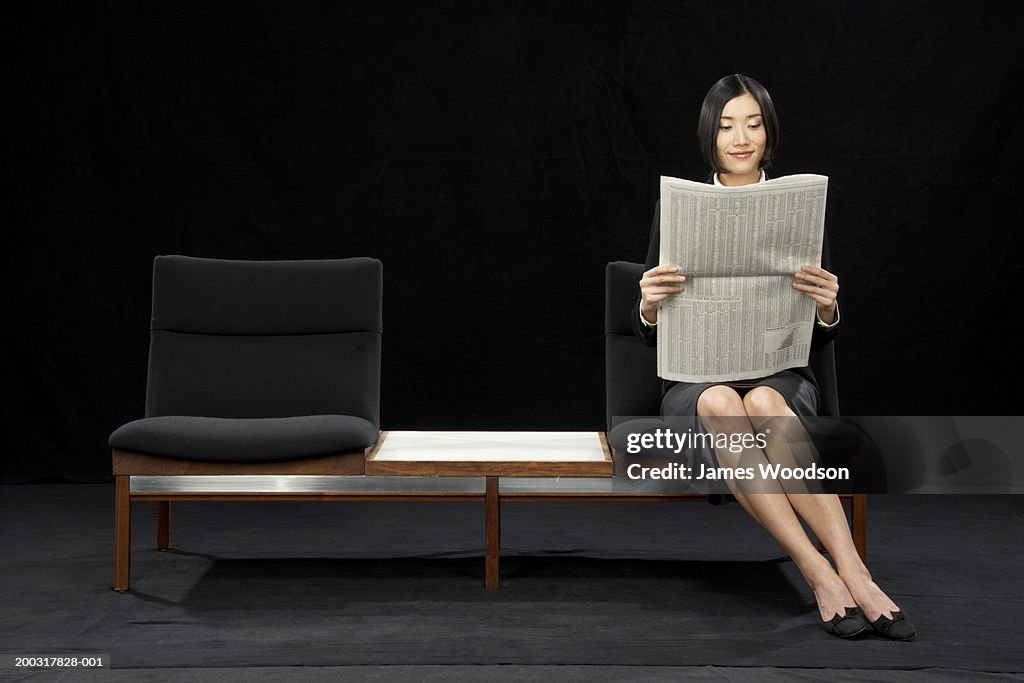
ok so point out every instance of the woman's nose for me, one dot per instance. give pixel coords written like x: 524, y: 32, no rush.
x: 741, y: 136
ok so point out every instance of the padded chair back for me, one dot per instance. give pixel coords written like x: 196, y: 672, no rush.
x: 254, y: 339
x: 632, y: 386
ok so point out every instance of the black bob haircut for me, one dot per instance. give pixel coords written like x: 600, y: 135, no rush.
x: 721, y: 92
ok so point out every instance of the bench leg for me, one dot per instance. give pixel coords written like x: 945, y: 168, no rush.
x: 122, y: 531
x: 163, y: 525
x: 492, y: 534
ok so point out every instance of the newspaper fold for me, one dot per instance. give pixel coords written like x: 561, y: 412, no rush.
x: 739, y: 317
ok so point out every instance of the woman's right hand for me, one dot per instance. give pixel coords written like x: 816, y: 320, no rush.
x: 655, y: 286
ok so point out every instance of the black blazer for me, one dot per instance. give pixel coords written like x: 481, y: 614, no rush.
x: 820, y: 337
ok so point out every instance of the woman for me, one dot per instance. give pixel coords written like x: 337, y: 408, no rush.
x: 737, y: 134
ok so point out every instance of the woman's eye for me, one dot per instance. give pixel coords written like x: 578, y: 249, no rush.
x: 755, y: 125
x: 725, y: 128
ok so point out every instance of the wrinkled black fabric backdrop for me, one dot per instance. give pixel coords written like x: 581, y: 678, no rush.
x: 494, y: 156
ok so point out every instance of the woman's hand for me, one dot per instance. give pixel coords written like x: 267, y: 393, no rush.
x: 822, y: 286
x: 655, y: 286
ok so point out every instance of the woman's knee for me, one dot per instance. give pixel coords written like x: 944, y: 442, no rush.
x: 765, y: 402
x: 720, y: 400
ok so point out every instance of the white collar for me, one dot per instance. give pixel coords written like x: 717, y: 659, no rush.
x: 719, y: 182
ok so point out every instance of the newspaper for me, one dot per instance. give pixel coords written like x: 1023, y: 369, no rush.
x: 738, y: 317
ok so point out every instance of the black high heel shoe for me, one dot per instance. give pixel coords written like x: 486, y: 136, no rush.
x: 849, y: 625
x: 897, y: 628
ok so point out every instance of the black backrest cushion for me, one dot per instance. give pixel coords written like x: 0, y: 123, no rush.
x: 631, y: 376
x: 632, y: 386
x: 621, y: 292
x: 215, y: 296
x: 823, y: 365
x: 249, y: 339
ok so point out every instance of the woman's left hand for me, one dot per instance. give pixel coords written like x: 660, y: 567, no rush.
x: 822, y: 286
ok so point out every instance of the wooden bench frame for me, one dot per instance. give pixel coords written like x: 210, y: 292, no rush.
x: 127, y: 464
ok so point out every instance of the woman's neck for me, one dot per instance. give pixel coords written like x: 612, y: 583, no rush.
x: 735, y: 180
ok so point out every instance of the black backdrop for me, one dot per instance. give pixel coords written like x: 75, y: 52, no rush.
x: 494, y: 156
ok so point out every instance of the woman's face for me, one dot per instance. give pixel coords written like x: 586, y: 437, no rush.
x: 741, y: 137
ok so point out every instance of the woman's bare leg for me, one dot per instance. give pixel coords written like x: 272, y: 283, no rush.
x: 822, y: 512
x: 770, y: 506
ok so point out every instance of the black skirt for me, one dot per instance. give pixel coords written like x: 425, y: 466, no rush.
x: 680, y: 398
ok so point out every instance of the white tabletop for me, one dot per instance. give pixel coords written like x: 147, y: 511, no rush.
x: 413, y: 446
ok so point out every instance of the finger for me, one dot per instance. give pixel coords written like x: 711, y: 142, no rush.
x: 657, y: 270
x: 652, y: 291
x: 820, y: 272
x: 810, y: 277
x: 813, y: 280
x: 819, y: 294
x: 662, y: 280
x: 658, y: 298
x: 821, y: 301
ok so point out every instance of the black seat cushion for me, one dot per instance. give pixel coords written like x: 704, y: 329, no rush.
x: 245, y: 439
